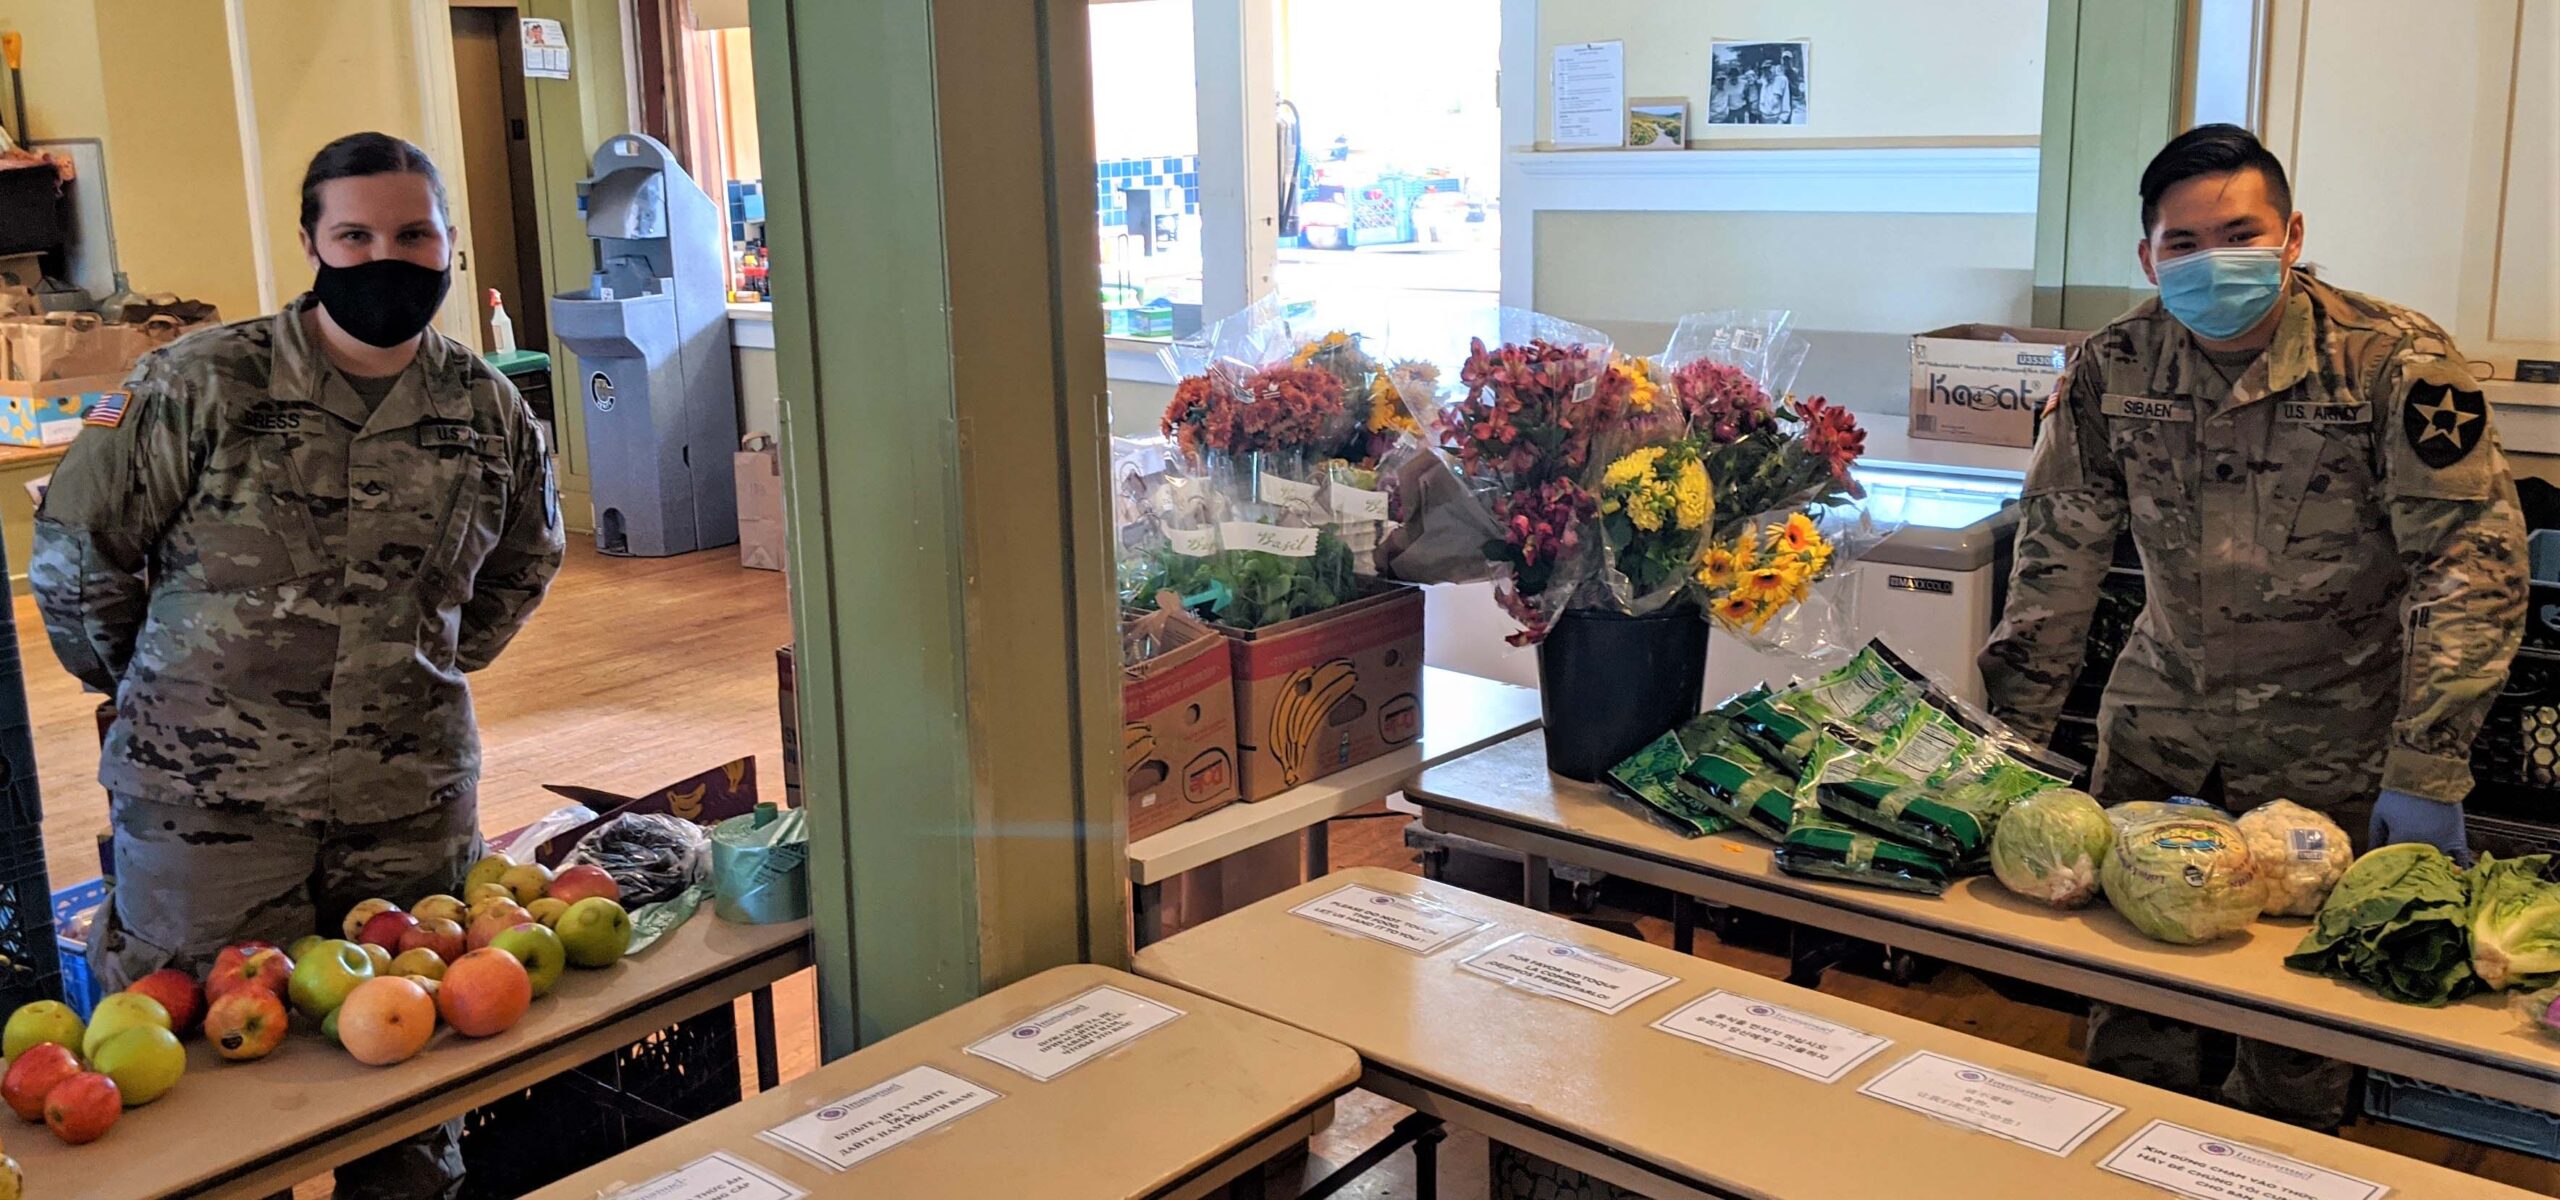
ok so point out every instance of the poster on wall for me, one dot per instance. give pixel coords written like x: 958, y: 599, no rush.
x: 546, y: 49
x: 1760, y: 83
x: 1591, y: 94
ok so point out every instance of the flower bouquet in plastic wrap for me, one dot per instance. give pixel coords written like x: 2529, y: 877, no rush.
x: 1244, y: 516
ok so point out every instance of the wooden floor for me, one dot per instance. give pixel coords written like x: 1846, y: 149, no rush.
x: 638, y: 672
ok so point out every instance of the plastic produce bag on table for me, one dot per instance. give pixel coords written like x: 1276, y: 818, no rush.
x: 2181, y: 873
x: 652, y: 856
x: 2301, y: 855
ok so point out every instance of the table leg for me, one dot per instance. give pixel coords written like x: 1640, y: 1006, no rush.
x: 1319, y: 850
x: 1426, y: 1161
x: 1684, y: 923
x: 1146, y: 903
x: 1537, y: 883
x: 768, y: 1062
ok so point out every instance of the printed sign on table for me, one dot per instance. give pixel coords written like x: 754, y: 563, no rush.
x: 1820, y: 1050
x: 1567, y: 972
x: 1074, y: 1033
x: 1400, y: 921
x: 2197, y: 1164
x: 837, y: 1136
x: 1995, y: 1102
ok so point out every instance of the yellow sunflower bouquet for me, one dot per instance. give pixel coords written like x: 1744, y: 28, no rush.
x: 1656, y: 505
x: 1760, y: 572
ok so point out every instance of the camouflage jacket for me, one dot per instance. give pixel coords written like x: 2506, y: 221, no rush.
x: 281, y: 590
x: 2331, y: 543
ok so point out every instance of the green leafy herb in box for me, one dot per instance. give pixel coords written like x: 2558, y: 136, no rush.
x: 1248, y: 589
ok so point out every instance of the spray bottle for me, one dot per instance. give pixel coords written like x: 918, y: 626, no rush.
x: 502, y: 332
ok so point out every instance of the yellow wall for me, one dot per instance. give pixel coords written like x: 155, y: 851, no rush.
x: 66, y: 94
x: 738, y: 93
x: 322, y: 69
x: 176, y: 133
x: 1878, y: 68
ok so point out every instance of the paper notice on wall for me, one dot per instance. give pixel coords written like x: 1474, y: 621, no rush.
x: 546, y: 49
x: 1590, y: 103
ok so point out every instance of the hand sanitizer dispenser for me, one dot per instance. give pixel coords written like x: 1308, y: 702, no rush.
x: 651, y: 335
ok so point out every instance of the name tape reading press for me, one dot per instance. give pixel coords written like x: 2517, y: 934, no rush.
x: 1566, y: 972
x: 1804, y: 1044
x: 1074, y: 1033
x: 1995, y: 1102
x: 837, y: 1136
x: 2206, y: 1167
x: 1400, y: 921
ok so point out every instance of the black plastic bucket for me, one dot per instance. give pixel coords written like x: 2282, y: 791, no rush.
x: 1609, y: 683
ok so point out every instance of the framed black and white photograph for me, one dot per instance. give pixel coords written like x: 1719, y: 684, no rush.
x: 1760, y: 83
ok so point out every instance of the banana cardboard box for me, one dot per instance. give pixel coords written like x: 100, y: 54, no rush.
x: 1178, y: 735
x: 1329, y: 690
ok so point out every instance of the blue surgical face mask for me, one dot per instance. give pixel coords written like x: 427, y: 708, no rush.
x: 2221, y: 294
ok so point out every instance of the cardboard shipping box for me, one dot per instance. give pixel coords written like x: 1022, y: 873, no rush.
x: 759, y: 474
x: 1328, y: 690
x: 28, y: 409
x: 1985, y: 384
x: 1178, y: 735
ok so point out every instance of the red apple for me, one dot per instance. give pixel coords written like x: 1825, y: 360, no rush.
x: 437, y: 934
x: 245, y: 1023
x: 494, y: 920
x: 385, y: 928
x: 576, y: 883
x: 33, y: 1074
x: 249, y: 964
x: 176, y: 991
x: 82, y: 1108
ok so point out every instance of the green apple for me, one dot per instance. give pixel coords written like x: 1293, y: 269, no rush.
x: 43, y: 1021
x: 321, y: 981
x: 528, y: 881
x: 595, y: 931
x: 378, y: 956
x: 418, y: 961
x: 145, y: 1061
x: 539, y: 950
x: 547, y: 910
x: 329, y: 1026
x: 117, y: 1013
x: 304, y: 945
x: 486, y: 870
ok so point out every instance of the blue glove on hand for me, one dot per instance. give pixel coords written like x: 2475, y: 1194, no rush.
x: 2401, y: 817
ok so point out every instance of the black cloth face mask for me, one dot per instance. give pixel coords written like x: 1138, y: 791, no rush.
x: 383, y: 302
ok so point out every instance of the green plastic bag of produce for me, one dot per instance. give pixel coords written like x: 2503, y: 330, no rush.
x: 1932, y: 784
x: 2398, y: 923
x: 2047, y: 847
x: 2181, y: 873
x: 2515, y: 921
x: 1737, y: 784
x: 1819, y: 847
x: 1652, y: 775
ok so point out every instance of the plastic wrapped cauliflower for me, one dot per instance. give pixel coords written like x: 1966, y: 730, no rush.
x: 2047, y: 847
x: 2300, y: 855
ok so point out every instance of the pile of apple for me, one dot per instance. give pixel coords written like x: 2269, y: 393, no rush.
x: 379, y: 992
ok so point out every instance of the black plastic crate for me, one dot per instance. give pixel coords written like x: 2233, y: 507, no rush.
x: 602, y: 1107
x: 33, y: 967
x: 2515, y: 762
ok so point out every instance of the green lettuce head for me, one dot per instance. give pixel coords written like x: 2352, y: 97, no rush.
x: 2048, y: 846
x: 2515, y: 922
x: 2181, y: 874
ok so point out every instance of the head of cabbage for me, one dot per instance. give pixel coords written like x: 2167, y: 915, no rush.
x: 2181, y: 873
x: 2515, y: 921
x: 2300, y: 855
x: 2047, y: 847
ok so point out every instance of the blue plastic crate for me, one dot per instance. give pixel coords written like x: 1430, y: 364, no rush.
x: 2484, y: 1119
x: 79, y: 988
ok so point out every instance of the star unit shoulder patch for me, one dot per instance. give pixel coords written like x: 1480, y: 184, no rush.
x: 2443, y: 423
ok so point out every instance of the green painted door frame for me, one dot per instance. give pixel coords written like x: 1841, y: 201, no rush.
x: 2113, y: 96
x: 929, y: 183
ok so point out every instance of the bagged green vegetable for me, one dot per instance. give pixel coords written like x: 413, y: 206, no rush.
x: 2048, y: 847
x: 2181, y: 873
x: 1818, y: 847
x: 2515, y: 922
x: 1932, y: 784
x: 1737, y: 784
x: 1652, y: 774
x: 2301, y: 854
x: 2397, y: 922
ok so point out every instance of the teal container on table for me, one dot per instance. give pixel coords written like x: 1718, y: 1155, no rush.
x: 760, y: 867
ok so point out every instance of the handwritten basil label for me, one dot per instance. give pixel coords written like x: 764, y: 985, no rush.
x: 1269, y: 539
x: 1288, y: 493
x: 1353, y: 504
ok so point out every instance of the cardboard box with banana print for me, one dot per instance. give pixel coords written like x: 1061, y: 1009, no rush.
x: 1328, y: 690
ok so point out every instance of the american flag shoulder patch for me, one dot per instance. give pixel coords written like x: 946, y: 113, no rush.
x: 108, y: 412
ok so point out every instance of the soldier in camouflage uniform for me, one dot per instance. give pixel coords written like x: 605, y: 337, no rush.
x: 2332, y: 547
x: 279, y: 553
